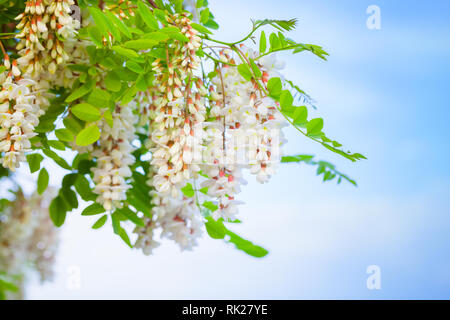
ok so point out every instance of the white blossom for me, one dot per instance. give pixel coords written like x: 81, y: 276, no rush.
x: 114, y: 158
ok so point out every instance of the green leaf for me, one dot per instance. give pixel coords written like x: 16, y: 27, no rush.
x: 136, y: 201
x: 84, y: 189
x: 69, y: 180
x: 100, y: 222
x: 300, y: 115
x: 161, y: 14
x: 116, y: 222
x: 246, y: 246
x: 244, y: 71
x: 215, y: 229
x: 7, y: 283
x: 210, y: 206
x: 86, y: 112
x: 200, y: 28
x: 108, y: 118
x: 299, y: 158
x: 112, y: 82
x: 73, y: 124
x: 122, y: 26
x: 157, y: 35
x: 256, y: 71
x: 147, y: 16
x: 70, y: 197
x: 119, y: 230
x: 96, y: 35
x: 314, y: 126
x: 127, y: 53
x: 78, y: 158
x: 274, y: 42
x: 129, y: 95
x: 135, y: 67
x: 64, y: 134
x: 100, y: 20
x: 174, y: 33
x: 204, y: 15
x: 317, y: 50
x: 188, y: 190
x: 326, y: 168
x: 60, y: 161
x: 178, y: 5
x: 42, y: 181
x: 287, y: 25
x: 88, y: 135
x: 34, y: 161
x: 123, y: 234
x: 141, y: 44
x: 56, y: 144
x: 57, y: 211
x: 336, y: 144
x: 262, y: 42
x: 81, y: 91
x: 286, y: 100
x: 100, y: 98
x: 211, y: 24
x: 275, y: 87
x: 141, y: 83
x: 132, y: 216
x: 93, y: 209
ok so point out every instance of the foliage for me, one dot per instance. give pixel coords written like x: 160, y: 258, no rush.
x: 125, y: 41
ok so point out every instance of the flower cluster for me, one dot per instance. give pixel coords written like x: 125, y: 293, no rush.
x: 176, y: 109
x: 176, y: 114
x: 178, y: 220
x: 165, y: 119
x: 28, y: 237
x: 43, y: 27
x: 250, y: 125
x: 19, y: 115
x: 243, y: 122
x: 113, y: 153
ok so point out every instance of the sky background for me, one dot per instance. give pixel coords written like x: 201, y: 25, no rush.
x: 383, y: 93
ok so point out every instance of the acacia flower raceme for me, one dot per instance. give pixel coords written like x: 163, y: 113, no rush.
x: 28, y: 238
x: 19, y: 115
x: 113, y: 154
x: 43, y: 27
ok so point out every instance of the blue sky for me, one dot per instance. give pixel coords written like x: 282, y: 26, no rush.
x: 383, y: 93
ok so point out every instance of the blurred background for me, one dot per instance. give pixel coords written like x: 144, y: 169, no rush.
x: 383, y: 93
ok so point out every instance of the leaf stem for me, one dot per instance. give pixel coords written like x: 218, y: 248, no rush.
x: 3, y: 49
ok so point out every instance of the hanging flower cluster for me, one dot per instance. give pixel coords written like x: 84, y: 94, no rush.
x: 164, y: 120
x: 176, y: 113
x: 242, y: 118
x: 114, y: 158
x: 19, y: 115
x: 43, y: 27
x: 28, y: 238
x: 177, y: 108
x: 251, y: 124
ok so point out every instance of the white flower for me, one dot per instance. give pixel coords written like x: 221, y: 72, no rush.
x: 18, y: 118
x: 114, y: 158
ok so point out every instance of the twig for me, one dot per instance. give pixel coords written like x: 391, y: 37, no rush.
x: 153, y: 4
x: 3, y: 49
x: 223, y: 101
